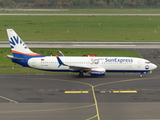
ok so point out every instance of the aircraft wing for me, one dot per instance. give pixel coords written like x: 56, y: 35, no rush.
x: 78, y: 68
x: 72, y: 67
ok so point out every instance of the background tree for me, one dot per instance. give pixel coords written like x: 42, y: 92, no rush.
x: 150, y: 2
x: 114, y: 3
x: 100, y: 3
x: 49, y: 3
x: 128, y: 3
x: 81, y: 2
x: 8, y: 4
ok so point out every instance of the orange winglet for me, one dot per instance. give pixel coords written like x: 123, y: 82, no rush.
x: 59, y: 51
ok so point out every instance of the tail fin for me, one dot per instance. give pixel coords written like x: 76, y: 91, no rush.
x: 18, y: 47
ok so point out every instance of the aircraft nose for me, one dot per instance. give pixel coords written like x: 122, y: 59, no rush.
x: 154, y: 66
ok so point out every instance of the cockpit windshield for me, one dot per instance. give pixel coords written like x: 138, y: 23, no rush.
x: 147, y: 62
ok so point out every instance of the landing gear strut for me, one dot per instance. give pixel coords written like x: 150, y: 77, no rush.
x: 141, y: 74
x: 81, y: 74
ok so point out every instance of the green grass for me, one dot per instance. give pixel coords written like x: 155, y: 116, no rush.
x: 108, y: 11
x: 83, y: 28
x: 6, y: 64
x: 22, y: 70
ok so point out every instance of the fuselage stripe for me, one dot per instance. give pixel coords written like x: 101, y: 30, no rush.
x: 32, y: 54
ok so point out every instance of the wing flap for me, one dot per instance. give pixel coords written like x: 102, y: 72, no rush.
x: 79, y: 68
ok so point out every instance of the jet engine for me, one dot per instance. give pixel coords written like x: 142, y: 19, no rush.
x: 97, y: 72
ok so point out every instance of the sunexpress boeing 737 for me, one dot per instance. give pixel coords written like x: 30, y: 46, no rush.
x: 96, y: 66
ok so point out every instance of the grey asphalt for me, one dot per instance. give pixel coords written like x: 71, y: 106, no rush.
x: 135, y: 45
x: 42, y: 96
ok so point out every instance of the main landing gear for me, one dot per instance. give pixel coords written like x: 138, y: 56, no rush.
x: 81, y: 74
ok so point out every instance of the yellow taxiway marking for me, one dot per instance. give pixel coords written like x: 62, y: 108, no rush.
x: 103, y: 91
x: 124, y: 91
x: 76, y: 92
x: 128, y: 80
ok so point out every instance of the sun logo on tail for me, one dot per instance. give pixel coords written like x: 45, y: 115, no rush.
x: 17, y: 42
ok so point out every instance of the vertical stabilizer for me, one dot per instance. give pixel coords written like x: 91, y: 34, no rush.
x: 18, y: 47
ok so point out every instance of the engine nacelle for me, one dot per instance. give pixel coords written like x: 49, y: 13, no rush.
x: 98, y: 72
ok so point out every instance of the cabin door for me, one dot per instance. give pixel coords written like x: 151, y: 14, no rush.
x: 139, y: 63
x: 33, y: 63
x: 129, y: 66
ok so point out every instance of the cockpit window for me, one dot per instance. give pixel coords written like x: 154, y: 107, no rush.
x: 147, y: 62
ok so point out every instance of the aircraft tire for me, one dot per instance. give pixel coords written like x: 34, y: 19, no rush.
x: 81, y: 74
x: 140, y: 75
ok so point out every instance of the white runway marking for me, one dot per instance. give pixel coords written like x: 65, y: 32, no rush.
x: 11, y: 101
x: 104, y: 45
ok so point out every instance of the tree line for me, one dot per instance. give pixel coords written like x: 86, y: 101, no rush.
x: 63, y: 3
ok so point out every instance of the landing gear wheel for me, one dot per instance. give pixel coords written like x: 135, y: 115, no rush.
x: 81, y: 74
x: 140, y: 75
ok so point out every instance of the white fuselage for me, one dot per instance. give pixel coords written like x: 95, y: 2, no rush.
x: 117, y: 64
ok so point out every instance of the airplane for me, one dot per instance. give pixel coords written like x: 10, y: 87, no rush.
x: 95, y: 66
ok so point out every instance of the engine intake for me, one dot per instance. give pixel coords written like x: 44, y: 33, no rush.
x: 98, y: 72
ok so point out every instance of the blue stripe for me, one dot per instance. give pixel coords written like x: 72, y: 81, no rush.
x: 64, y: 70
x: 26, y: 56
x: 24, y: 62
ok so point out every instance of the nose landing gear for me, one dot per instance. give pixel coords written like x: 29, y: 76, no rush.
x: 141, y: 74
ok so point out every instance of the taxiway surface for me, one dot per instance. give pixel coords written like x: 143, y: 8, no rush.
x: 65, y: 96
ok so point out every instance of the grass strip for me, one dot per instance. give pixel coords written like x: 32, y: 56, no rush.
x: 83, y: 28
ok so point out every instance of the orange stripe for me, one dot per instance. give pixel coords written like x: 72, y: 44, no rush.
x: 32, y: 54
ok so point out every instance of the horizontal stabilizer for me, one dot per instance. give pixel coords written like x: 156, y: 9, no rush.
x: 12, y: 57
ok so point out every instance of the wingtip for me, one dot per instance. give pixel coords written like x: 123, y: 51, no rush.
x: 59, y: 51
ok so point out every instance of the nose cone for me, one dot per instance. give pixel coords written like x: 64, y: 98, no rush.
x: 154, y: 66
